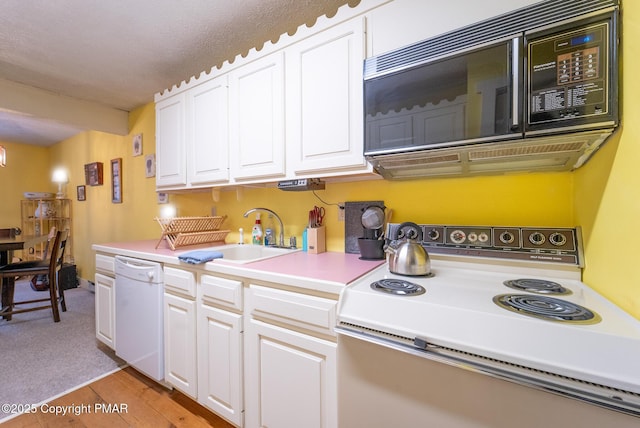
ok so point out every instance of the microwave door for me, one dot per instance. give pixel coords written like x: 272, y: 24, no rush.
x: 464, y: 97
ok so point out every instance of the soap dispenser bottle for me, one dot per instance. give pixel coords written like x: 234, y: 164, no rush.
x: 256, y: 232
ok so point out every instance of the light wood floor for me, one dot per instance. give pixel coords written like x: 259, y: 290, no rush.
x: 122, y: 399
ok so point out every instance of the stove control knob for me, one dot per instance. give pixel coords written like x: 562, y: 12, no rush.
x: 458, y: 236
x: 472, y: 237
x: 537, y: 238
x: 433, y: 234
x: 483, y: 237
x: 558, y: 239
x: 507, y: 237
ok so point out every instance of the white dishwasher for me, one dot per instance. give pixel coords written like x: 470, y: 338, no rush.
x: 138, y: 313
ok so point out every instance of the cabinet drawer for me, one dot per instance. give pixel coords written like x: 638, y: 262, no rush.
x: 106, y: 264
x: 180, y: 281
x: 298, y: 310
x: 227, y: 292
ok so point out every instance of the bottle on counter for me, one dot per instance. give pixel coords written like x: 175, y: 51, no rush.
x: 268, y: 236
x: 268, y: 224
x: 256, y: 232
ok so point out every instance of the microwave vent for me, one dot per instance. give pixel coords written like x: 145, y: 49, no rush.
x: 542, y: 153
x: 408, y: 160
x: 526, y: 150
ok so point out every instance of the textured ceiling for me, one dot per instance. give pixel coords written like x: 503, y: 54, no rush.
x: 117, y: 54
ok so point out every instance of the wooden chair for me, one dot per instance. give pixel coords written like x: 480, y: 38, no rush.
x: 52, y: 267
x: 44, y: 278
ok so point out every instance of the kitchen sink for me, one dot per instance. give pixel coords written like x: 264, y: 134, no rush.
x: 250, y: 253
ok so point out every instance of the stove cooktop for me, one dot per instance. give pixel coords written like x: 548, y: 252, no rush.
x: 458, y: 311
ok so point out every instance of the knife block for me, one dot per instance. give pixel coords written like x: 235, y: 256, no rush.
x: 316, y: 240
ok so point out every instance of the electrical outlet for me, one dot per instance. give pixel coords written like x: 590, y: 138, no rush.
x: 341, y: 211
x: 214, y: 211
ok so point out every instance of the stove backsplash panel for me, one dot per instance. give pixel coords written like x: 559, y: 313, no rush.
x: 537, y: 244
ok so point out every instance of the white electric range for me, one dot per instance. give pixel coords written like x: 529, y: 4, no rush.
x: 576, y: 343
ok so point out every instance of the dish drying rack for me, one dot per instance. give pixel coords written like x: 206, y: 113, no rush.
x: 182, y: 231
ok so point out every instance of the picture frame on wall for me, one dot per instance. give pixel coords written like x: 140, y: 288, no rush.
x: 137, y: 145
x: 93, y: 174
x: 116, y: 181
x: 81, y: 192
x: 150, y: 166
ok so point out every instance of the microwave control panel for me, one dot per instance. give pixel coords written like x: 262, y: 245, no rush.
x: 568, y: 75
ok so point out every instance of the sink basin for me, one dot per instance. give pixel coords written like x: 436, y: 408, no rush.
x: 250, y: 253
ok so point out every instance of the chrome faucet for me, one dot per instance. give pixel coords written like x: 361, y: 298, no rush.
x: 281, y: 235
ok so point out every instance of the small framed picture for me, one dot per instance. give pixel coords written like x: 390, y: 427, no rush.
x: 150, y: 166
x: 116, y: 181
x: 82, y: 193
x: 137, y: 145
x: 163, y: 198
x: 93, y: 174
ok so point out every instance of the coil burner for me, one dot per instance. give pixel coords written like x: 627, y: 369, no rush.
x: 540, y: 286
x: 398, y: 287
x: 547, y: 308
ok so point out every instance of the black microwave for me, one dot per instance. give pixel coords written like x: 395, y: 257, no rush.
x: 544, y: 70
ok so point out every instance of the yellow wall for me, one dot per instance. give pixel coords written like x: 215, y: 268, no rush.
x: 526, y: 199
x: 98, y: 219
x: 28, y: 170
x: 607, y: 190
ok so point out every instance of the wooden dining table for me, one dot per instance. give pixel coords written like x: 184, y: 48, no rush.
x: 10, y: 244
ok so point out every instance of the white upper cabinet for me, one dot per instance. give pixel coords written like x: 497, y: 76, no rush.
x: 291, y: 110
x: 324, y: 100
x: 170, y: 142
x: 208, y: 132
x: 256, y: 118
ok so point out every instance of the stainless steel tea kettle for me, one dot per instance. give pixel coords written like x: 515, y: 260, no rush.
x: 406, y: 255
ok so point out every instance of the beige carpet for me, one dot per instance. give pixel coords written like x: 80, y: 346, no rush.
x: 40, y: 359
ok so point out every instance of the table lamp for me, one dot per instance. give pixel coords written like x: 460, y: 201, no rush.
x: 60, y: 177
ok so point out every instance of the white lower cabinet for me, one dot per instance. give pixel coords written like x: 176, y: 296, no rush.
x: 180, y: 330
x: 257, y: 356
x: 180, y: 343
x: 290, y: 375
x: 105, y: 310
x: 220, y: 347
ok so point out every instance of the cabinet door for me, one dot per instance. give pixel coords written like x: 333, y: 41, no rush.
x: 180, y: 343
x: 324, y: 100
x: 220, y: 362
x: 207, y: 132
x: 256, y: 119
x: 105, y: 310
x: 290, y: 378
x: 170, y: 142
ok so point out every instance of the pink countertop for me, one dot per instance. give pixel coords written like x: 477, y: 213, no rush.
x: 337, y: 267
x: 333, y: 269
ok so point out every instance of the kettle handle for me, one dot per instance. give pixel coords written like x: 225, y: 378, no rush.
x: 414, y: 226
